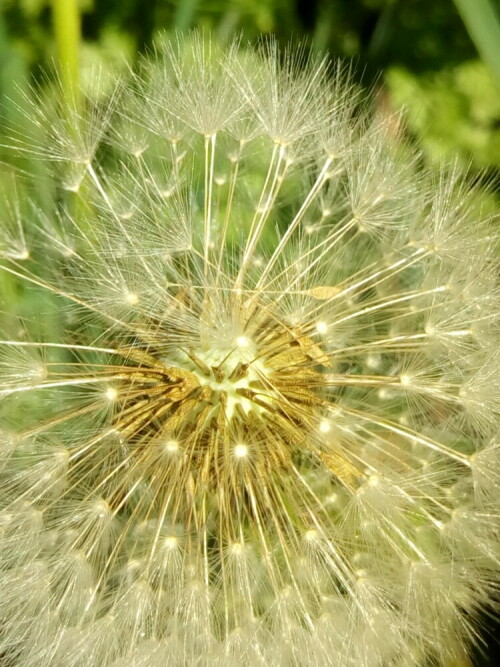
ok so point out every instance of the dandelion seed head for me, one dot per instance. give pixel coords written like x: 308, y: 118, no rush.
x: 254, y: 418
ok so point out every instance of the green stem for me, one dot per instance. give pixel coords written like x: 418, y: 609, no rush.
x: 483, y: 26
x: 67, y: 32
x: 66, y: 21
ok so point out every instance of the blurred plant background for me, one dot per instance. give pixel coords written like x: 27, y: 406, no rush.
x: 437, y: 59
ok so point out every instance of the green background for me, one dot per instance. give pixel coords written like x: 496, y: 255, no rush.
x: 418, y: 54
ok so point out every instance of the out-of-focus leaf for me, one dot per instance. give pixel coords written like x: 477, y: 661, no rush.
x: 452, y: 111
x: 185, y: 14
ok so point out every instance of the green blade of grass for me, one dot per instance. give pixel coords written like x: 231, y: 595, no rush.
x: 483, y: 25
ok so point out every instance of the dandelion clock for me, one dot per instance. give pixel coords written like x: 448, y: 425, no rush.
x: 249, y: 376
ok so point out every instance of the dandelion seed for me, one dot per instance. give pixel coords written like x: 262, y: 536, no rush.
x: 241, y: 451
x: 132, y: 298
x: 172, y: 446
x: 242, y: 341
x: 324, y: 426
x: 111, y: 394
x: 321, y: 327
x: 251, y: 416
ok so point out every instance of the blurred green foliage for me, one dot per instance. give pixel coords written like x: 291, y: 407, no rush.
x: 418, y: 51
x: 421, y: 34
x: 452, y: 110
